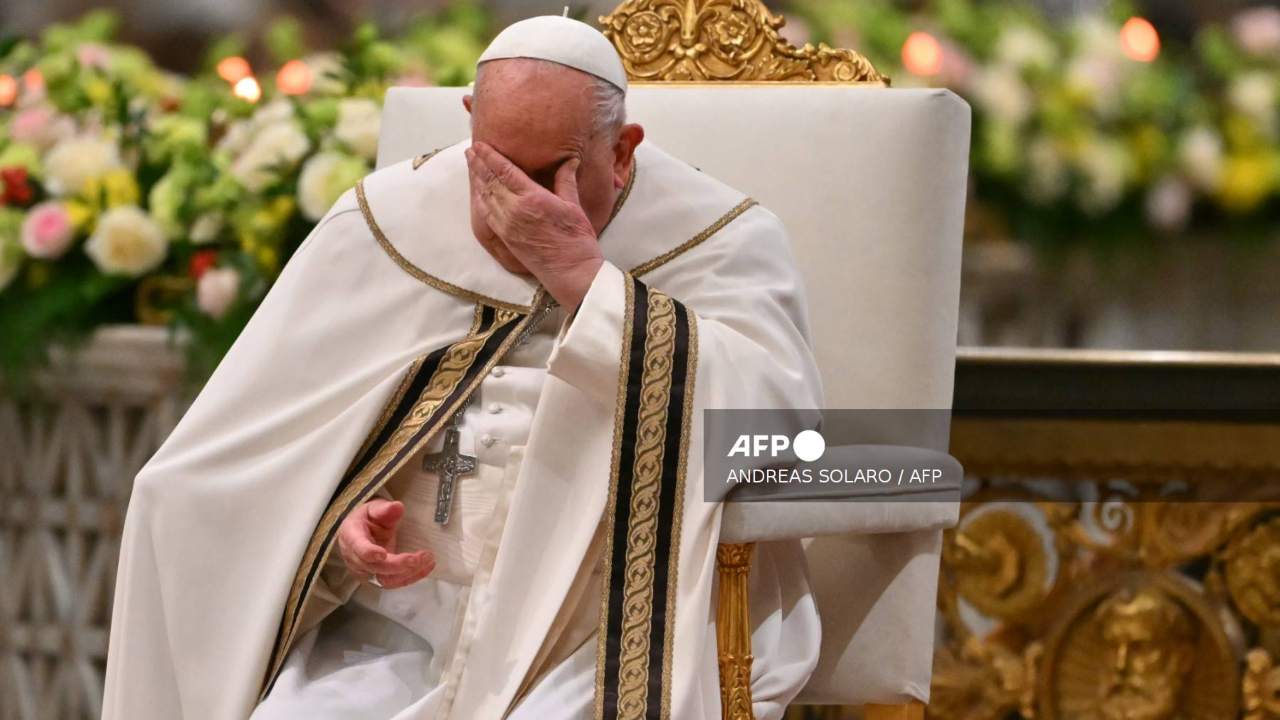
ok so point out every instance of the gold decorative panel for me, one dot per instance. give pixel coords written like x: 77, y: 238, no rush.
x: 722, y: 40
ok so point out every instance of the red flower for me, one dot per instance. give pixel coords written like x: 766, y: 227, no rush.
x: 17, y: 191
x: 201, y: 261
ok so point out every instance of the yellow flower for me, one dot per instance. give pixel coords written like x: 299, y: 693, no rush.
x: 1246, y: 182
x: 121, y: 188
x: 281, y: 208
x: 97, y: 89
x: 268, y: 259
x: 80, y: 213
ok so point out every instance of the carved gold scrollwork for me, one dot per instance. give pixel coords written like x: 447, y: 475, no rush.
x: 984, y: 680
x: 1252, y: 573
x: 714, y: 40
x: 1261, y: 686
x: 1001, y: 562
x: 733, y: 630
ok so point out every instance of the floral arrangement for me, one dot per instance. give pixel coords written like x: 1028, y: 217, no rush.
x: 128, y: 193
x: 1091, y: 131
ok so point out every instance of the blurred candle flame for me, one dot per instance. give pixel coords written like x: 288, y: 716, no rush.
x: 248, y: 89
x: 233, y: 69
x: 1140, y: 40
x: 294, y: 78
x: 8, y: 90
x: 34, y: 80
x: 922, y: 54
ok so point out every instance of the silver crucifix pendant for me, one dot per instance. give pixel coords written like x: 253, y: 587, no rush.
x: 449, y: 464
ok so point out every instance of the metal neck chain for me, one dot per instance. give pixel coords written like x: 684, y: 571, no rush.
x: 539, y: 316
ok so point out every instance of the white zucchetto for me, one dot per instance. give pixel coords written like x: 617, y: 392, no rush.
x: 560, y: 40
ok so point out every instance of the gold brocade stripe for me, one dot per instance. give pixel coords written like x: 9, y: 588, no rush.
x: 642, y: 532
x: 442, y: 397
x: 642, y: 518
x: 715, y: 227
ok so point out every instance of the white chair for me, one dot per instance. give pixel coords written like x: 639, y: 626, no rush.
x: 870, y: 183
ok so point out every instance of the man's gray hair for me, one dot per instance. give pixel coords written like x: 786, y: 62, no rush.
x: 609, y: 104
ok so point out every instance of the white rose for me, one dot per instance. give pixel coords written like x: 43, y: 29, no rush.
x: 279, y: 145
x: 1254, y: 94
x: 359, y: 120
x: 1258, y: 30
x: 1002, y: 92
x: 323, y: 180
x: 205, y: 228
x: 1169, y: 204
x: 327, y: 73
x: 216, y: 291
x: 74, y: 162
x: 1095, y: 35
x: 1023, y: 46
x: 1048, y: 171
x: 1098, y: 78
x: 1104, y: 167
x: 127, y: 242
x: 1201, y: 156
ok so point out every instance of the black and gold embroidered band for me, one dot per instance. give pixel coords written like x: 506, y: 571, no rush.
x: 435, y: 387
x: 646, y: 489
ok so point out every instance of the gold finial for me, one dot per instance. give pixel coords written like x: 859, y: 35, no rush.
x: 722, y: 40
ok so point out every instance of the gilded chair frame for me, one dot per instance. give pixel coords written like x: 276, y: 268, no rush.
x: 698, y: 42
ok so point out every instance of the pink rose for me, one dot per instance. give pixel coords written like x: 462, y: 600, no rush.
x: 41, y: 126
x: 1257, y: 30
x: 93, y: 55
x: 47, y: 231
x: 216, y: 290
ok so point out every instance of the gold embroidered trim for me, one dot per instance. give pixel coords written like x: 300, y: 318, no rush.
x: 677, y: 513
x: 423, y: 158
x: 622, y: 198
x: 715, y: 227
x: 417, y: 272
x: 444, y: 381
x: 619, y: 417
x: 646, y: 491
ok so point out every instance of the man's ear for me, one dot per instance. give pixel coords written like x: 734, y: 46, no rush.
x: 630, y: 136
x: 466, y: 103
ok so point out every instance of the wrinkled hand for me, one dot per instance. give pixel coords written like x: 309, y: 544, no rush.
x: 547, y: 231
x: 367, y: 542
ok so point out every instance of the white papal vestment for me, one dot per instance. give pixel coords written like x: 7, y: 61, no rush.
x: 576, y: 576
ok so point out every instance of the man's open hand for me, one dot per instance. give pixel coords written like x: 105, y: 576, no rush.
x: 547, y: 231
x: 367, y: 542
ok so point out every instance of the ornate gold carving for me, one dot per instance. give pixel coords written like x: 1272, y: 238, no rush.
x: 717, y: 40
x: 1252, y: 573
x: 1139, y: 646
x: 1001, y: 562
x: 1261, y: 686
x: 983, y: 681
x: 733, y: 630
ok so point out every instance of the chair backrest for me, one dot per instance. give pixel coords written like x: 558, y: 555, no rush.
x: 869, y: 181
x: 871, y: 185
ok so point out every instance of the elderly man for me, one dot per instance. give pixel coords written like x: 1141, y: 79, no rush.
x: 452, y: 467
